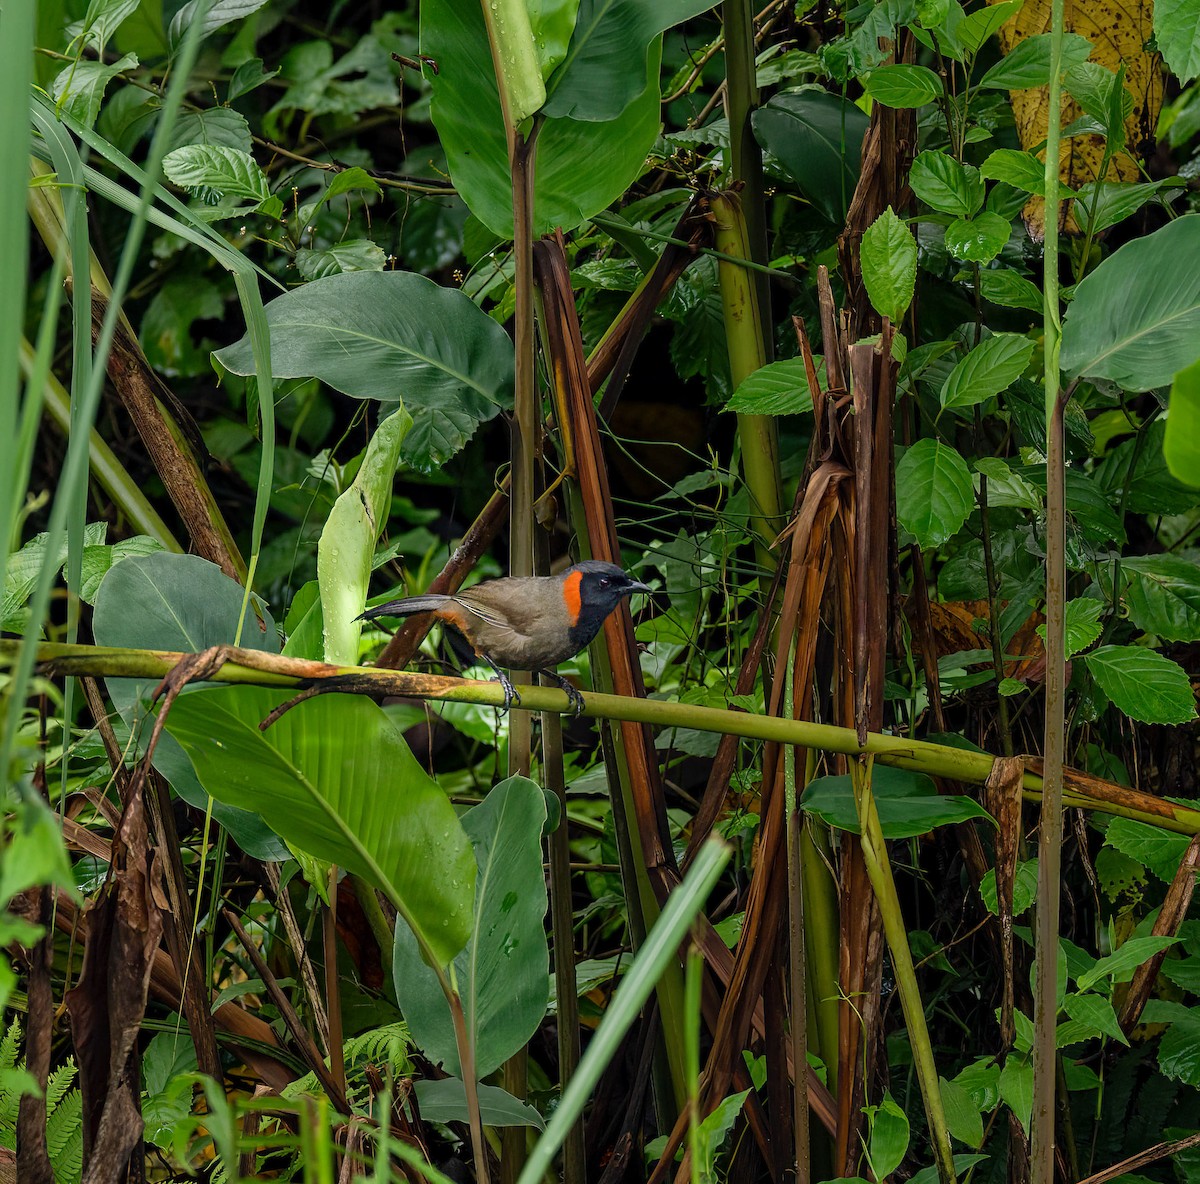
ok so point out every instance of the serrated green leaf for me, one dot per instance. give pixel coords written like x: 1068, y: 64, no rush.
x: 213, y: 14
x: 1157, y: 850
x: 991, y: 367
x: 1179, y: 1049
x: 1005, y: 287
x: 228, y: 172
x: 1082, y: 625
x: 1143, y: 684
x: 889, y: 265
x: 354, y: 254
x: 219, y: 126
x: 1175, y: 24
x: 779, y: 388
x: 1164, y: 595
x: 945, y: 185
x: 1095, y: 1013
x: 79, y: 87
x: 976, y: 27
x: 979, y: 239
x: 934, y: 493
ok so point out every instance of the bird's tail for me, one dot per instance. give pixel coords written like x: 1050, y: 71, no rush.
x: 406, y: 607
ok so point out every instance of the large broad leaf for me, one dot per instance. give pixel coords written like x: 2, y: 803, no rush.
x: 334, y: 777
x: 582, y: 167
x: 393, y: 335
x: 605, y: 66
x: 503, y: 972
x: 1175, y: 24
x: 1181, y: 442
x: 818, y: 138
x: 934, y: 493
x: 446, y: 1101
x: 1136, y: 319
x: 1143, y: 684
x: 1164, y: 595
x: 908, y: 803
x: 181, y: 603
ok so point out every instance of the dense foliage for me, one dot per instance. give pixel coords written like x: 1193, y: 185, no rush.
x: 774, y: 309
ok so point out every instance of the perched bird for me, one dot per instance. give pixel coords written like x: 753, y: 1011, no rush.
x: 527, y: 622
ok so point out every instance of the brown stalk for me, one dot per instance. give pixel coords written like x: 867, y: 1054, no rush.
x: 173, y: 442
x: 1166, y: 924
x: 33, y: 1156
x: 1002, y: 798
x: 304, y: 1041
x: 1142, y: 1158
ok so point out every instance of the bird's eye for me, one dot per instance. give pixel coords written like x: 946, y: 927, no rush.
x: 605, y: 581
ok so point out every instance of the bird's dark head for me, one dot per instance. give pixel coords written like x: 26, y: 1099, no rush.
x: 592, y: 589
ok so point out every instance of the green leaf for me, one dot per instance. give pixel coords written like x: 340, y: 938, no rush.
x: 1143, y: 684
x: 1164, y: 595
x: 605, y: 67
x: 1016, y: 1088
x: 335, y: 778
x: 1158, y: 851
x: 349, y: 181
x: 963, y: 1119
x: 962, y: 1164
x: 503, y: 971
x: 79, y: 87
x: 220, y: 127
x: 908, y: 803
x: 1094, y: 87
x: 976, y: 27
x: 103, y: 19
x: 1007, y: 488
x: 1105, y: 203
x: 216, y: 14
x: 568, y: 186
x: 390, y: 335
x: 1005, y: 287
x: 446, y: 1101
x: 991, y: 367
x: 1175, y: 24
x: 34, y: 853
x: 1021, y: 170
x: 817, y: 137
x: 945, y: 185
x: 1028, y: 63
x: 181, y: 603
x: 1179, y: 1049
x: 979, y: 239
x: 1120, y: 965
x: 889, y: 1137
x: 247, y: 77
x: 1136, y: 319
x: 934, y: 493
x: 352, y: 254
x: 779, y: 388
x: 1181, y: 443
x: 98, y: 561
x: 214, y: 169
x: 1096, y: 1013
x: 360, y: 80
x: 903, y: 86
x: 1082, y: 625
x: 889, y: 265
x: 1024, y: 888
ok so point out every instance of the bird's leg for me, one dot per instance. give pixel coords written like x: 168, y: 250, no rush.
x: 510, y: 692
x: 573, y: 695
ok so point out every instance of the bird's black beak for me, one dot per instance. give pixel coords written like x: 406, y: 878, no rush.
x: 635, y: 586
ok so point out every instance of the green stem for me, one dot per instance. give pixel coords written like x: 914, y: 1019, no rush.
x: 1042, y: 1121
x: 879, y: 871
x: 744, y: 336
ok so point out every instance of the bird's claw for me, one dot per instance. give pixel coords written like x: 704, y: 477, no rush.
x: 574, y: 698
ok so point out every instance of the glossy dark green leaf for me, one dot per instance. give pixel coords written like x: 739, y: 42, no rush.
x: 1136, y: 319
x: 216, y: 169
x: 334, y: 777
x: 605, y: 67
x: 570, y: 183
x: 1181, y: 442
x: 1021, y: 170
x: 1143, y: 684
x: 1007, y: 288
x: 1158, y: 851
x: 934, y: 492
x: 222, y: 127
x: 181, y: 603
x: 991, y: 367
x: 817, y: 137
x: 1105, y: 203
x: 779, y: 388
x: 393, y: 335
x: 908, y: 803
x: 1179, y: 1049
x: 503, y: 970
x: 1135, y: 474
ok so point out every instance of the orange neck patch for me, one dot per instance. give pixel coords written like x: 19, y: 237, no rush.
x: 571, y: 599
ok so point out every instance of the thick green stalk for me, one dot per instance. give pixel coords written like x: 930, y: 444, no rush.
x: 1050, y: 831
x: 879, y: 871
x: 744, y: 339
x: 745, y: 156
x: 255, y: 668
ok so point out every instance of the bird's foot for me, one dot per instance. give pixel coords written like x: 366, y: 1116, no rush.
x: 574, y: 698
x: 511, y: 698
